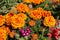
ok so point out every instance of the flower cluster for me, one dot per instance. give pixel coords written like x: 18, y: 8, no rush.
x: 25, y: 20
x: 25, y: 32
x: 55, y: 33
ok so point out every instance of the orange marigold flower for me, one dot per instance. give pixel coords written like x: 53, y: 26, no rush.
x: 22, y: 7
x: 35, y: 36
x: 37, y: 1
x: 39, y: 9
x: 49, y: 21
x: 46, y: 13
x: 9, y: 17
x: 35, y: 14
x: 17, y: 22
x: 12, y: 34
x: 31, y: 22
x: 5, y: 28
x: 27, y: 1
x: 22, y: 15
x: 3, y: 34
x: 2, y: 20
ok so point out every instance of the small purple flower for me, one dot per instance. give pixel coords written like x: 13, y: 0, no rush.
x: 28, y: 29
x: 23, y: 34
x: 22, y: 30
x: 27, y: 34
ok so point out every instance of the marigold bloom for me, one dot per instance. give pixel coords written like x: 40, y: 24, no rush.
x: 17, y: 22
x: 34, y: 36
x: 9, y: 17
x: 46, y: 13
x: 22, y: 15
x: 27, y: 1
x: 35, y: 14
x: 37, y: 1
x: 49, y: 21
x: 31, y: 22
x: 5, y: 28
x: 2, y: 20
x: 22, y: 8
x: 12, y: 34
x: 39, y: 9
x: 3, y: 34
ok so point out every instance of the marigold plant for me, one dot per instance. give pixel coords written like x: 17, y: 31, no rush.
x: 29, y: 20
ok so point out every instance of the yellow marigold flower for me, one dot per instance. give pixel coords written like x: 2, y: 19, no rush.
x: 22, y: 7
x: 22, y: 15
x: 46, y: 13
x: 49, y: 21
x: 27, y: 1
x: 17, y: 22
x: 9, y: 17
x: 31, y: 22
x: 3, y: 34
x: 37, y: 1
x: 35, y: 14
x: 2, y: 20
